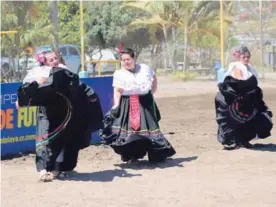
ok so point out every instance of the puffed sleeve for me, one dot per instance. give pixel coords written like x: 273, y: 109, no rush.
x: 148, y: 70
x: 118, y: 81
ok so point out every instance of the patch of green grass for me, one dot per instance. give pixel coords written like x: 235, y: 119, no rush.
x: 158, y: 71
x: 183, y: 76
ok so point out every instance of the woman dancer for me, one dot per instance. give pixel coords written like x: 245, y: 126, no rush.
x: 60, y: 95
x: 132, y: 125
x: 241, y: 113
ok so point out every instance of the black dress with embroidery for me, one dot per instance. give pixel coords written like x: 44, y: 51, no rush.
x: 131, y: 144
x: 68, y: 112
x: 241, y: 113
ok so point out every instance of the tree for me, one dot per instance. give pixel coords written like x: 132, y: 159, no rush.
x: 158, y: 20
x: 69, y: 22
x: 194, y: 17
x: 105, y: 26
x: 257, y: 28
x: 32, y: 26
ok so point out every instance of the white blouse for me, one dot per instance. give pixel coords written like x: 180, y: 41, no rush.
x: 134, y: 83
x: 246, y: 71
x: 36, y: 73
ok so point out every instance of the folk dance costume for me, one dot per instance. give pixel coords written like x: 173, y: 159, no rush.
x: 241, y: 113
x: 132, y: 128
x: 68, y: 112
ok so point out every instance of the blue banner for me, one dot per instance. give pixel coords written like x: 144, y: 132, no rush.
x: 18, y: 127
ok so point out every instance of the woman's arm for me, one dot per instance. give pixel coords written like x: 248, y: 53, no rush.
x: 117, y: 93
x: 154, y: 84
x: 236, y: 73
x: 40, y: 80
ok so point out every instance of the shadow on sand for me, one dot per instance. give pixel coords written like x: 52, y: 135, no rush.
x: 169, y: 162
x: 264, y: 147
x: 109, y: 175
x: 101, y: 176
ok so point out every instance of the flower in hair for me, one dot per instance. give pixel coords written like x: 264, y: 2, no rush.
x: 236, y: 53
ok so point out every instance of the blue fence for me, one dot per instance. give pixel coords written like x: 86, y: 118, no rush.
x: 18, y: 126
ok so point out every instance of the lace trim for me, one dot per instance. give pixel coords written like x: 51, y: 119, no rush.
x: 137, y: 83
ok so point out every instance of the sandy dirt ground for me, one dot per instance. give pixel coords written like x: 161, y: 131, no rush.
x: 200, y: 174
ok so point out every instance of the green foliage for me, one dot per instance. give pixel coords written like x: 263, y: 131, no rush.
x: 183, y: 76
x: 105, y: 25
x: 69, y: 22
x: 137, y: 24
x: 194, y: 23
x: 29, y: 19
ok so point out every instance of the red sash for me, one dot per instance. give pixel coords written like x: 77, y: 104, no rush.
x: 134, y: 112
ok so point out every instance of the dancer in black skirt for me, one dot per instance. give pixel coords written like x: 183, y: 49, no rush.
x: 68, y: 112
x: 241, y: 113
x: 131, y: 126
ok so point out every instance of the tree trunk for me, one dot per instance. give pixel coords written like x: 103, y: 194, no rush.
x: 261, y: 37
x: 137, y: 49
x: 54, y: 20
x: 172, y: 59
x: 155, y: 60
x: 185, y: 47
x: 165, y: 47
x: 54, y: 14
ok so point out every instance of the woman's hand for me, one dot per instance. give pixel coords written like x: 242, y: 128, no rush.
x: 17, y: 105
x: 41, y: 80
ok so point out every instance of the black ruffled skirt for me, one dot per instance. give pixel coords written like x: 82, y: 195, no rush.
x: 131, y: 144
x: 233, y: 128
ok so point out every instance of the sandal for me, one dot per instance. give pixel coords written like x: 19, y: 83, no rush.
x: 46, y: 177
